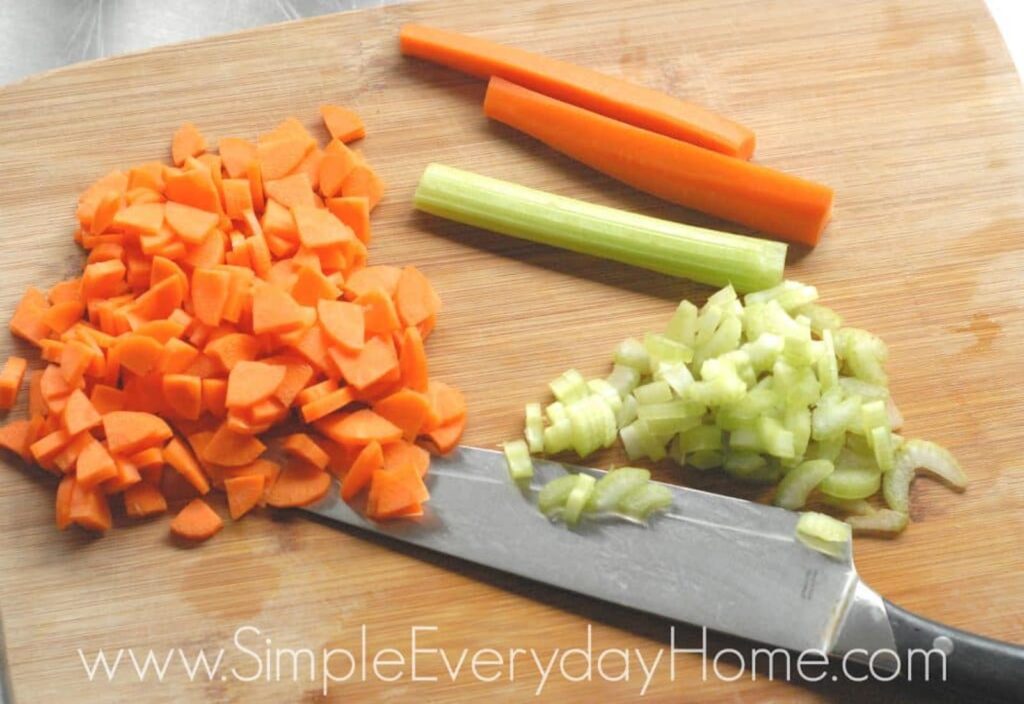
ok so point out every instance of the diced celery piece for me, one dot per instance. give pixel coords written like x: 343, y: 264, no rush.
x: 882, y: 521
x: 707, y: 323
x: 676, y: 374
x: 800, y: 481
x: 683, y: 325
x: 798, y: 352
x: 873, y: 415
x: 726, y: 338
x: 534, y: 431
x: 702, y: 437
x: 798, y: 422
x: 863, y: 354
x: 767, y: 474
x: 578, y: 498
x: 654, y: 392
x: 828, y: 365
x: 623, y: 379
x: 556, y: 412
x: 824, y: 534
x: 764, y: 350
x: 588, y: 428
x: 722, y: 297
x: 646, y: 500
x: 834, y: 415
x: 857, y: 507
x: 778, y: 321
x: 628, y: 413
x: 670, y: 417
x: 774, y: 437
x: 607, y: 392
x: 632, y: 353
x: 517, y: 454
x: 913, y: 455
x: 639, y: 442
x: 676, y: 452
x: 744, y: 412
x: 868, y: 392
x: 827, y: 448
x: 895, y: 417
x: 789, y: 294
x: 569, y: 387
x: 851, y: 483
x: 745, y: 440
x: 664, y: 349
x: 558, y: 436
x: 613, y: 486
x: 822, y: 318
x: 555, y: 493
x: 704, y: 459
x: 803, y: 389
x: 744, y: 463
x: 608, y: 423
x: 859, y: 446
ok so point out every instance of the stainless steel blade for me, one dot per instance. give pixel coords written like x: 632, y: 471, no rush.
x: 725, y: 563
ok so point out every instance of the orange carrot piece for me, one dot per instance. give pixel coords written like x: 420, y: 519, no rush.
x: 196, y: 522
x: 263, y: 468
x: 354, y: 211
x: 142, y: 500
x: 215, y: 393
x: 297, y: 376
x: 94, y: 465
x: 183, y: 395
x: 756, y: 196
x: 194, y: 187
x: 229, y: 350
x: 617, y: 98
x: 27, y: 321
x: 359, y: 428
x: 336, y: 165
x: 65, y: 490
x: 11, y: 376
x: 100, y: 280
x: 127, y: 476
x: 278, y: 222
x: 415, y: 298
x: 149, y: 458
x: 369, y: 460
x: 53, y: 385
x: 244, y: 493
x: 299, y: 484
x: 157, y: 303
x: 412, y: 360
x: 279, y: 156
x: 211, y: 288
x: 89, y: 199
x: 446, y: 437
x: 447, y: 401
x: 291, y: 191
x: 318, y: 408
x: 274, y: 311
x: 237, y: 197
x: 342, y: 123
x: 343, y: 323
x: 232, y: 449
x: 363, y: 181
x: 80, y: 414
x: 140, y: 219
x: 188, y: 141
x: 252, y: 382
x: 380, y: 315
x: 319, y: 228
x: 18, y: 436
x: 190, y: 223
x: 370, y: 364
x: 396, y: 492
x: 129, y: 432
x: 236, y: 154
x: 382, y: 276
x: 67, y: 291
x: 163, y: 331
x: 407, y: 409
x: 399, y: 454
x: 89, y: 508
x: 301, y: 446
x: 139, y: 354
x: 180, y: 457
x: 61, y: 316
x: 75, y: 359
x: 310, y: 165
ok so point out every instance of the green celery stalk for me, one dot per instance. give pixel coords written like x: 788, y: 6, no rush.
x: 696, y: 253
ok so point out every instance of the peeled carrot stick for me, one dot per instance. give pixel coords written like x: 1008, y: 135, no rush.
x: 753, y: 195
x: 607, y: 95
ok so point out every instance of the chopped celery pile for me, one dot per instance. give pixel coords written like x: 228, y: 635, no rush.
x: 769, y: 388
x: 626, y: 492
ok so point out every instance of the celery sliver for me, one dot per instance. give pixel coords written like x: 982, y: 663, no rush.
x: 683, y: 325
x: 632, y: 353
x: 569, y: 387
x: 555, y: 493
x: 623, y: 379
x: 613, y: 486
x: 517, y: 454
x: 882, y: 521
x: 913, y: 455
x: 646, y: 500
x: 851, y: 483
x: 556, y: 412
x: 654, y: 392
x: 797, y: 485
x: 675, y: 249
x: 578, y: 498
x: 558, y: 437
x: 705, y: 459
x: 534, y: 430
x: 823, y: 533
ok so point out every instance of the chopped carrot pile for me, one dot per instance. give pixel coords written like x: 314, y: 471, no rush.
x: 223, y: 297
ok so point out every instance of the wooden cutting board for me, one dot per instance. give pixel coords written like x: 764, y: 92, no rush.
x: 911, y: 110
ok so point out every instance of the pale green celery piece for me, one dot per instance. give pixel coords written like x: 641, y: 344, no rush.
x: 569, y: 387
x: 517, y: 454
x: 556, y: 412
x: 745, y: 440
x: 804, y: 388
x: 766, y: 474
x: 873, y: 415
x: 613, y: 486
x: 683, y: 325
x: 676, y: 374
x: 623, y: 379
x: 882, y: 521
x: 585, y: 416
x: 726, y: 338
x: 632, y: 353
x: 802, y: 320
x: 822, y: 318
x: 722, y: 390
x: 706, y: 256
x: 721, y: 298
x: 857, y: 507
x: 632, y: 441
x: 799, y: 482
x: 881, y: 442
x: 788, y: 294
x: 628, y: 413
x: 606, y: 391
x: 798, y: 352
x: 851, y: 483
x: 859, y: 446
x: 534, y: 431
x: 654, y: 392
x: 783, y: 377
x: 913, y: 455
x: 664, y: 349
x: 653, y: 443
x: 798, y: 422
x: 555, y: 493
x: 865, y: 355
x: 558, y: 436
x: 824, y: 534
x: 828, y: 365
x: 847, y: 339
x: 704, y: 459
x: 676, y: 452
x: 835, y: 414
x: 868, y: 392
x: 670, y: 417
x: 895, y: 417
x: 743, y: 463
x: 578, y: 498
x: 646, y: 500
x: 707, y: 323
x: 701, y: 437
x: 778, y: 321
x: 755, y: 322
x: 740, y: 361
x: 764, y: 350
x: 827, y: 448
x: 608, y: 423
x: 774, y: 437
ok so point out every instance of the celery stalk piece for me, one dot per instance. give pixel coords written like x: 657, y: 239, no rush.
x: 788, y: 294
x: 534, y: 430
x: 608, y: 393
x: 868, y: 392
x: 623, y: 379
x: 797, y: 485
x: 895, y: 417
x: 588, y: 428
x: 726, y: 338
x: 881, y: 442
x: 646, y: 500
x: 628, y: 413
x: 613, y: 486
x: 556, y: 412
x: 558, y: 436
x: 883, y: 521
x: 683, y: 325
x: 701, y: 438
x: 569, y: 387
x: 661, y: 348
x: 856, y: 507
x: 774, y: 438
x: 873, y: 415
x: 764, y: 350
x: 798, y: 422
x: 705, y: 459
x: 835, y: 415
x: 578, y: 498
x: 821, y: 317
x: 632, y: 353
x: 742, y: 463
x: 555, y: 493
x: 703, y: 255
x: 676, y: 374
x: 745, y: 440
x: 828, y: 365
x: 670, y: 417
x: 676, y: 452
x: 913, y: 455
x: 827, y: 449
x: 851, y: 483
x: 823, y: 533
x: 654, y: 392
x: 517, y: 454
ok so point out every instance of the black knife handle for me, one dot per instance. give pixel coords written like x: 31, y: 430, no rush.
x: 986, y: 667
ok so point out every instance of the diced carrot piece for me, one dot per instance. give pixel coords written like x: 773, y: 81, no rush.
x: 140, y: 219
x: 232, y: 449
x: 301, y: 446
x: 237, y: 197
x: 368, y: 461
x: 407, y: 409
x: 209, y: 252
x: 316, y: 391
x: 210, y: 290
x: 94, y: 465
x: 297, y: 376
x: 370, y: 364
x: 191, y: 224
x: 319, y: 228
x: 310, y: 287
x: 127, y: 476
x: 53, y: 385
x: 415, y: 297
x: 412, y: 360
x: 274, y: 311
x: 106, y: 399
x: 363, y: 181
x: 236, y: 155
x: 383, y: 277
x: 447, y: 401
x: 310, y: 165
x: 318, y: 408
x: 159, y: 301
x: 89, y: 508
x: 177, y: 356
x: 80, y: 414
x: 102, y: 280
x: 75, y: 358
x: 343, y: 323
x: 394, y: 493
x: 335, y: 167
x: 27, y: 321
x: 194, y: 187
x: 18, y: 436
x: 188, y: 141
x: 67, y: 291
x: 139, y: 354
x: 299, y: 484
x: 89, y: 199
x: 278, y: 222
x: 354, y: 211
x: 11, y: 376
x: 196, y: 522
x: 183, y: 395
x: 342, y: 123
x: 379, y: 312
x: 244, y: 493
x: 279, y: 156
x: 252, y: 382
x: 398, y: 454
x: 180, y: 457
x: 129, y: 432
x: 446, y: 437
x: 143, y: 499
x: 149, y: 458
x: 163, y: 331
x: 65, y: 490
x: 291, y: 191
x: 359, y: 428
x: 61, y: 316
x: 230, y: 349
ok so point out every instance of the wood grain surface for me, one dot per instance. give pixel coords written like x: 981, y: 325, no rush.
x: 910, y: 110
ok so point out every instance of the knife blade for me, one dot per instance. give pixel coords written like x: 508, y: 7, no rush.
x: 731, y: 565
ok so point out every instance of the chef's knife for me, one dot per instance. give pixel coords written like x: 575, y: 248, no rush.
x: 731, y: 565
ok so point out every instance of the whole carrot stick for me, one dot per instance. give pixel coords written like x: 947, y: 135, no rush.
x: 607, y: 95
x: 771, y: 201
